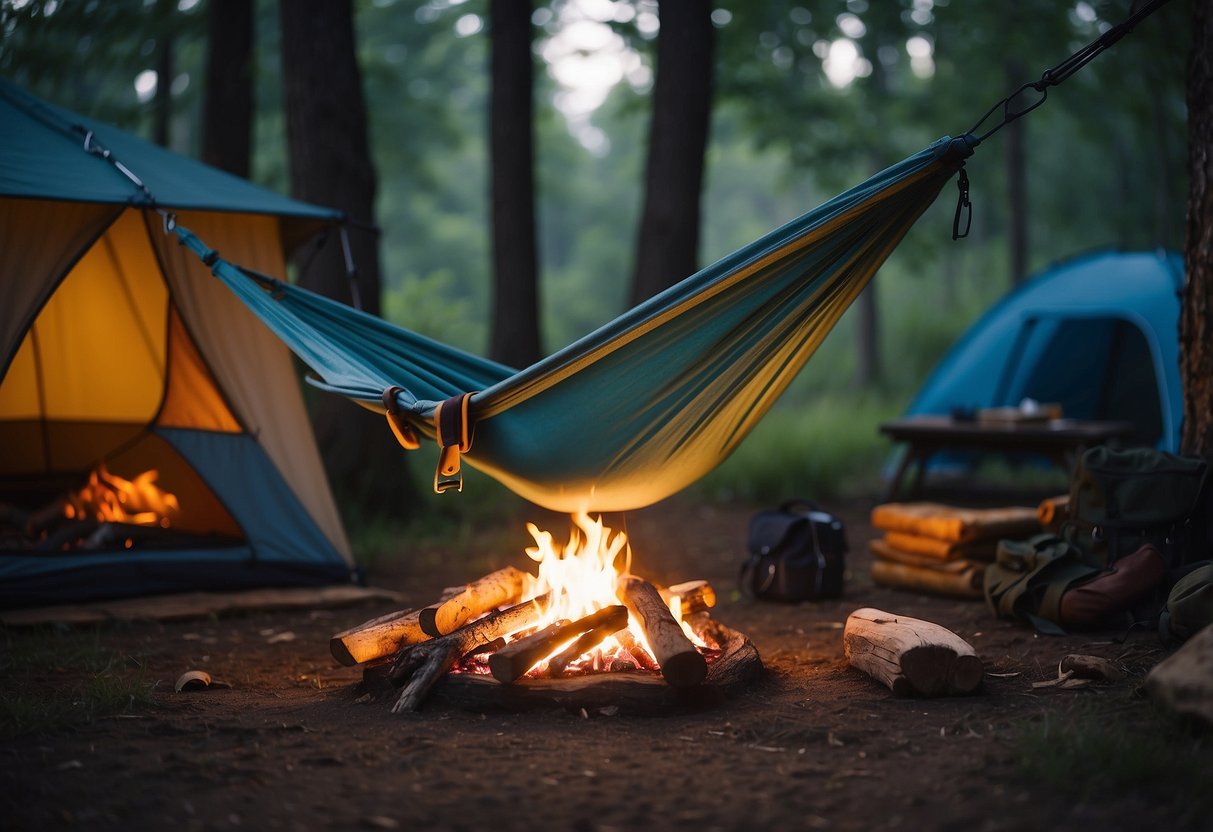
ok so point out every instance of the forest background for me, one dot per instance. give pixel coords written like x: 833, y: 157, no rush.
x: 809, y: 97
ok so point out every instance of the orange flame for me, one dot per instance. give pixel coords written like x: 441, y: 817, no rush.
x: 110, y: 498
x: 581, y: 578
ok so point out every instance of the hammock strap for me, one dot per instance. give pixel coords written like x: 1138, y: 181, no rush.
x: 454, y: 434
x: 964, y: 208
x: 1052, y: 77
x: 401, y: 429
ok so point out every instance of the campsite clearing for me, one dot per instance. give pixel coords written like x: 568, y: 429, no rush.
x: 292, y: 744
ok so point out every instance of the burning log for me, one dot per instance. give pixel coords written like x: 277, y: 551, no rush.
x: 607, y: 622
x: 517, y: 657
x: 514, y: 660
x: 644, y: 659
x: 693, y: 596
x: 910, y: 656
x: 421, y: 665
x: 505, y: 586
x: 377, y: 638
x: 681, y: 664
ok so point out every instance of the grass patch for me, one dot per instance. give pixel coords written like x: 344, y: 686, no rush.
x: 1129, y: 749
x: 827, y: 448
x: 51, y: 680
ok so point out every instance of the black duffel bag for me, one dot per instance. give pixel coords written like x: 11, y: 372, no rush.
x: 797, y: 552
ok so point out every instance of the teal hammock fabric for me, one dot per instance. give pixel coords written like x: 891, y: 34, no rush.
x: 651, y: 401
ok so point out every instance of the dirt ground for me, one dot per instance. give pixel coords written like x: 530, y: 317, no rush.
x: 293, y: 744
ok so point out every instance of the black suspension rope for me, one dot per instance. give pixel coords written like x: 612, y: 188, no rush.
x: 963, y: 218
x: 1053, y: 77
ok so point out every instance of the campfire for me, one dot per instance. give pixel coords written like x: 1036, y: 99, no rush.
x: 107, y: 512
x: 582, y: 616
x: 108, y: 498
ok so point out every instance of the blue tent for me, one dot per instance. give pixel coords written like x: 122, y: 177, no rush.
x: 153, y: 436
x: 1098, y: 333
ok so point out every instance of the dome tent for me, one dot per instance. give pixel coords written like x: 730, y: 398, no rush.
x: 1097, y: 333
x: 120, y: 356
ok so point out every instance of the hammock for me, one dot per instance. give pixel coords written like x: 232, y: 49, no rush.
x: 646, y: 404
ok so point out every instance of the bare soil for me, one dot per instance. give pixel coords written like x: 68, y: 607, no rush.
x: 295, y: 743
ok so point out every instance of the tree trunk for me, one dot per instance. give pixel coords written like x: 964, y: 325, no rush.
x: 515, y: 335
x: 668, y: 240
x: 227, y: 110
x: 1196, y: 324
x: 330, y: 164
x: 163, y: 109
x: 1017, y: 186
x: 867, y: 340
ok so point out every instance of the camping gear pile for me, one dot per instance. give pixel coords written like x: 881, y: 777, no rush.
x: 941, y: 548
x: 1137, y: 521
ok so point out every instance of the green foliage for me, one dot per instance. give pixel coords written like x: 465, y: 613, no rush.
x: 87, y: 54
x: 52, y: 679
x: 1116, y: 750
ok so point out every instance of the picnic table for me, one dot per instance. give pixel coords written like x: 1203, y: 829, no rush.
x: 1060, y: 440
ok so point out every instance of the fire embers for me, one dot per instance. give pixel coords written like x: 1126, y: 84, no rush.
x: 107, y: 512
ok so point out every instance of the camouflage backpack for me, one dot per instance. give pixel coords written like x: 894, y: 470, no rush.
x: 1122, y: 499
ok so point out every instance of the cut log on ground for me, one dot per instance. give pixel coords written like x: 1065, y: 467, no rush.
x: 1183, y: 682
x: 505, y: 586
x: 421, y: 665
x: 910, y: 656
x: 681, y: 663
x: 606, y: 622
x: 377, y: 638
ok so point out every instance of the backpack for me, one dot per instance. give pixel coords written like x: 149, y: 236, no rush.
x: 797, y: 552
x: 1122, y: 499
x: 1189, y: 605
x: 1028, y: 578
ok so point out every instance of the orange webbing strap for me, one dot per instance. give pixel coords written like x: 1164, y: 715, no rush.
x: 454, y: 438
x: 402, y: 430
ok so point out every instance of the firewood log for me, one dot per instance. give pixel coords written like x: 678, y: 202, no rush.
x: 384, y: 635
x: 910, y: 656
x: 421, y: 665
x: 515, y: 659
x: 693, y: 596
x: 606, y: 622
x: 965, y: 583
x: 681, y: 663
x: 377, y: 638
x: 505, y: 586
